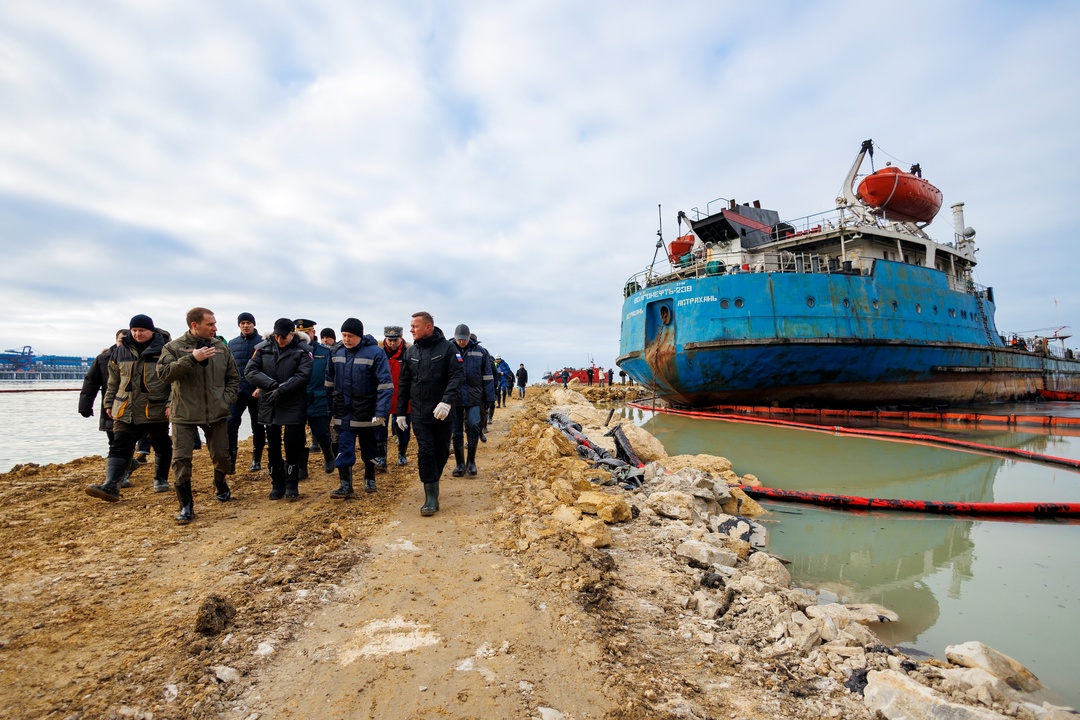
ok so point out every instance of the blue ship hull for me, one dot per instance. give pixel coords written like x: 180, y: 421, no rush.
x: 898, y: 334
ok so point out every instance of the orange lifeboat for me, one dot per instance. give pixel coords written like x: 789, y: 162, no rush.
x: 898, y: 195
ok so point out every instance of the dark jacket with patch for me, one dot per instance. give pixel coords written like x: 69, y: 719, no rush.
x: 432, y: 373
x: 359, y: 384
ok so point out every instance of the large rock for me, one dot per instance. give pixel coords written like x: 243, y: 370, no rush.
x: 974, y: 654
x: 864, y: 613
x: 769, y: 569
x: 609, y: 508
x: 898, y: 697
x: 673, y: 504
x: 708, y: 463
x: 592, y: 532
x: 704, y: 555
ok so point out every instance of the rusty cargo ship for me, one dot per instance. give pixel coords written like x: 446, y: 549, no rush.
x: 854, y: 307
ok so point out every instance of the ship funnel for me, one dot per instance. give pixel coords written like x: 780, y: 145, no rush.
x: 964, y: 235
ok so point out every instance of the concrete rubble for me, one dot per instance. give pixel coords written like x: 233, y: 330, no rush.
x: 738, y: 600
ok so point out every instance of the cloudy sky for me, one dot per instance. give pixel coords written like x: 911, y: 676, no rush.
x: 496, y: 163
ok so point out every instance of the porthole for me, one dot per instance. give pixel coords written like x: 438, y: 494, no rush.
x: 725, y: 304
x: 809, y: 302
x: 876, y: 304
x: 847, y: 303
x: 935, y: 309
x: 963, y: 314
x: 952, y: 313
x: 739, y: 302
x: 895, y: 305
x: 665, y: 315
x: 918, y: 308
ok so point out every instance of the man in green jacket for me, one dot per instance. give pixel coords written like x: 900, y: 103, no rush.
x: 204, y: 381
x: 137, y: 402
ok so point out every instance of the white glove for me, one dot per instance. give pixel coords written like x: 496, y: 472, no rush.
x: 378, y: 421
x: 402, y: 423
x: 441, y: 411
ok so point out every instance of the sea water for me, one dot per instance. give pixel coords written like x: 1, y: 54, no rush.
x: 1014, y: 585
x: 40, y: 423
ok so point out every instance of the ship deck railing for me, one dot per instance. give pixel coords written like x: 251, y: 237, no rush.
x: 775, y: 262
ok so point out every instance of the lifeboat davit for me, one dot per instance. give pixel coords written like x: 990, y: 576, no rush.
x: 898, y: 195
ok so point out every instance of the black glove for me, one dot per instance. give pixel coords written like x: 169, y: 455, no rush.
x: 271, y: 396
x: 87, y: 413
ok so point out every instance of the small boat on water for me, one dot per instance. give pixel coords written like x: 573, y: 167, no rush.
x: 853, y: 307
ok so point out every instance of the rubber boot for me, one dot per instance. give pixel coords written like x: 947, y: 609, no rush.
x: 344, y: 492
x: 328, y: 461
x: 256, y: 461
x: 470, y: 467
x: 380, y: 457
x: 187, y: 504
x: 369, y: 477
x: 431, y: 499
x: 292, y: 481
x: 302, y: 467
x: 232, y: 461
x: 277, y: 482
x: 114, y: 473
x: 161, y: 475
x: 459, y: 458
x: 125, y: 482
x: 221, y: 488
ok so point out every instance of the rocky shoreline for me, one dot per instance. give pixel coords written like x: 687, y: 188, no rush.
x: 675, y: 574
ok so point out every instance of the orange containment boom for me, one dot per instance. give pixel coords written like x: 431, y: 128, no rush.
x: 854, y: 502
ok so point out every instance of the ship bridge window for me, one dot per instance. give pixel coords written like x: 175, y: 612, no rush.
x: 739, y: 302
x: 665, y: 315
x: 810, y: 302
x: 725, y: 304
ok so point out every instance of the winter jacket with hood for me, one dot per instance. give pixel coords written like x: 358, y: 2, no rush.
x: 202, y: 392
x: 281, y: 374
x: 135, y: 392
x: 478, y: 387
x: 97, y: 381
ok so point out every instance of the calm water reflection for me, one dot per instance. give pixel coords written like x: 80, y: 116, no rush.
x: 1012, y: 585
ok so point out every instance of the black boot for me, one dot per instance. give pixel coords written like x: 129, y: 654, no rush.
x: 125, y: 482
x: 292, y: 481
x: 459, y: 458
x: 431, y: 499
x: 380, y: 459
x: 344, y: 492
x: 161, y: 475
x: 470, y: 467
x: 221, y: 488
x: 401, y: 459
x: 232, y: 461
x: 277, y: 482
x: 369, y: 476
x: 328, y: 461
x: 302, y: 467
x: 114, y: 474
x: 187, y: 504
x: 256, y: 461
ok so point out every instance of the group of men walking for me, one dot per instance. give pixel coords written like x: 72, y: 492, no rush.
x: 350, y: 392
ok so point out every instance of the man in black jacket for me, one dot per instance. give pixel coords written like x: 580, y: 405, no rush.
x: 242, y: 347
x: 279, y: 369
x: 430, y: 382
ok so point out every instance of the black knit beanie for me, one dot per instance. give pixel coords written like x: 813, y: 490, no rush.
x: 142, y: 321
x: 354, y: 326
x: 245, y: 316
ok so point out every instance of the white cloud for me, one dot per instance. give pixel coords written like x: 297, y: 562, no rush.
x: 498, y: 164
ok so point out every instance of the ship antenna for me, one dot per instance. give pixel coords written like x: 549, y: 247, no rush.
x: 660, y: 238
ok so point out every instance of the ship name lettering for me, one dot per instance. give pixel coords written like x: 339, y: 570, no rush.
x: 695, y: 300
